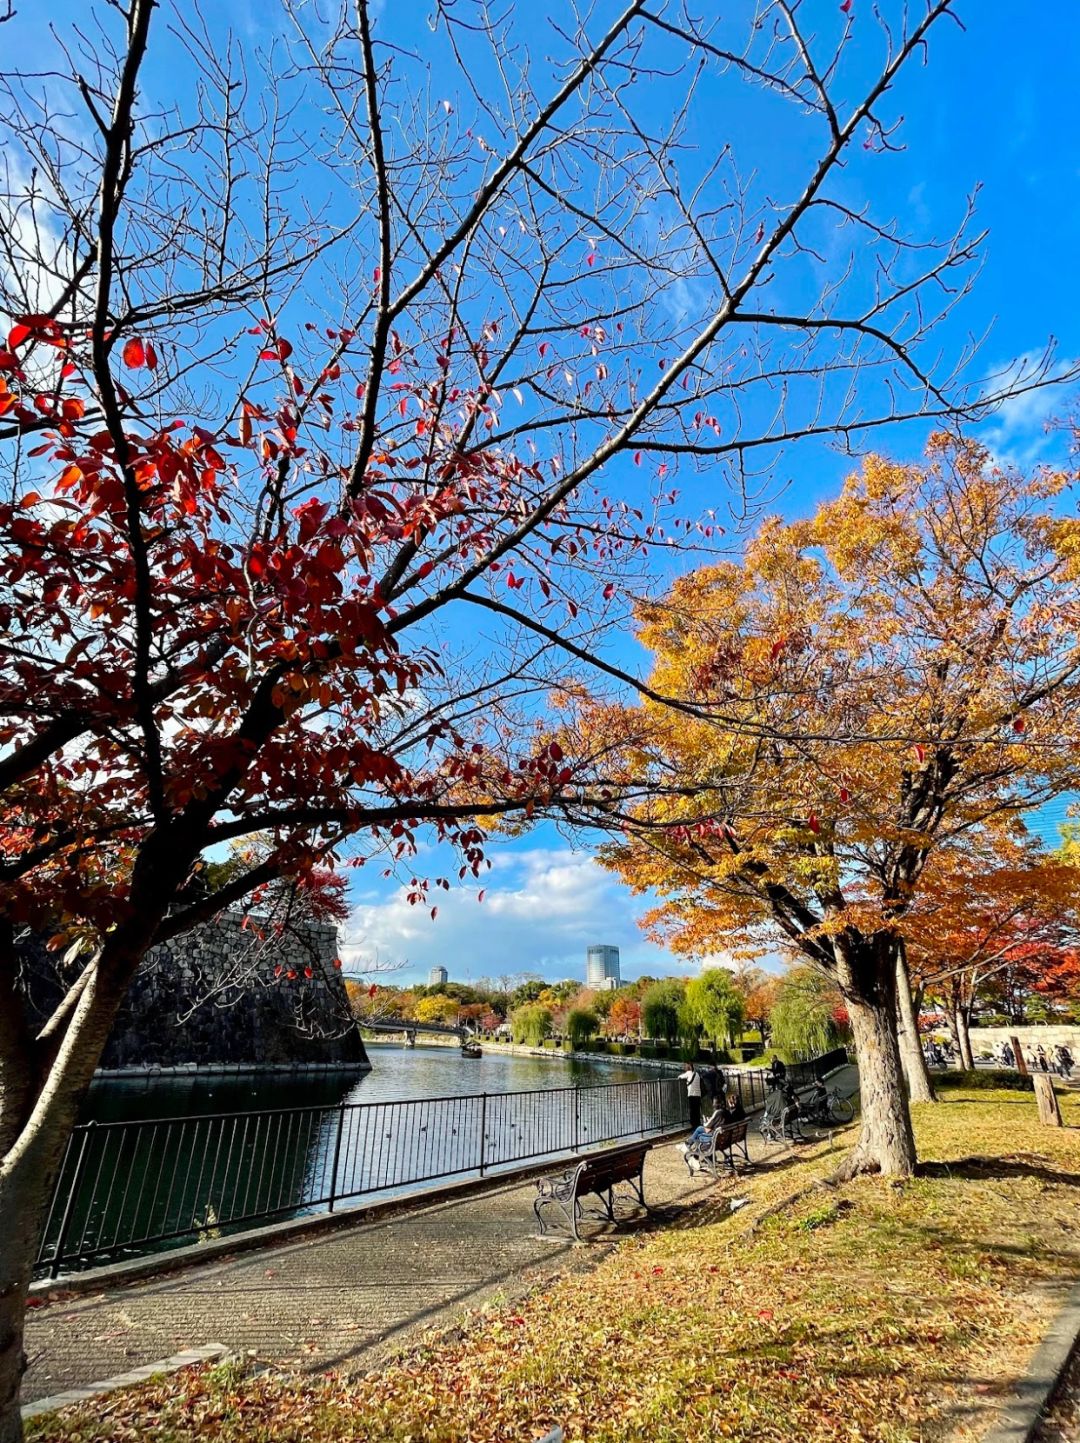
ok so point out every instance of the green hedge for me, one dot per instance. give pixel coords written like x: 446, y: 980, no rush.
x: 986, y: 1079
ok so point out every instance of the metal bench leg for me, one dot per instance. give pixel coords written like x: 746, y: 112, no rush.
x: 638, y: 1184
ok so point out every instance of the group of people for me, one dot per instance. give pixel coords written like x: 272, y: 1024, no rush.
x: 784, y: 1109
x: 728, y: 1110
x: 705, y: 1087
x: 1059, y: 1059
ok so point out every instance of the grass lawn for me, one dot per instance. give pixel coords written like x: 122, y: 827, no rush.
x: 873, y: 1311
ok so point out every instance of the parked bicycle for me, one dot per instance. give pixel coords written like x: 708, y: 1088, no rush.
x: 828, y: 1107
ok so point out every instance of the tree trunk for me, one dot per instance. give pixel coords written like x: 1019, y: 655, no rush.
x: 886, y: 1143
x: 30, y: 1165
x: 23, y: 1200
x: 920, y: 1087
x: 963, y: 1039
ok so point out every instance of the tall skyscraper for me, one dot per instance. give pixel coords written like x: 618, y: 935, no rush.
x: 602, y: 968
x: 436, y: 977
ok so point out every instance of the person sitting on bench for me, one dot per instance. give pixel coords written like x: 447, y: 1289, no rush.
x: 691, y: 1148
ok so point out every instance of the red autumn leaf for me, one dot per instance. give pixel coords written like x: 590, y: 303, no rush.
x: 279, y: 351
x: 813, y: 823
x: 846, y: 6
x: 134, y: 353
x: 151, y: 357
x: 372, y: 990
x: 1019, y: 724
x: 309, y: 972
x: 555, y: 752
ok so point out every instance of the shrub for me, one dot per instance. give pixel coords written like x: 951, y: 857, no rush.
x: 987, y: 1079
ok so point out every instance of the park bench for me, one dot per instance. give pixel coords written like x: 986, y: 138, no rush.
x: 721, y: 1147
x: 561, y: 1193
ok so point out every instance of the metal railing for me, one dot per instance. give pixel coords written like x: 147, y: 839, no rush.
x: 130, y: 1188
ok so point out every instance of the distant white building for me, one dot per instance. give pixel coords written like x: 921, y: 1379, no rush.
x: 437, y: 976
x: 602, y: 968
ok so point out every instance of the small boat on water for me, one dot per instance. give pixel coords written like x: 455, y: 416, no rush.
x: 471, y: 1049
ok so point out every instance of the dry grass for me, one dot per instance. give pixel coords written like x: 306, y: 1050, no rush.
x: 874, y: 1311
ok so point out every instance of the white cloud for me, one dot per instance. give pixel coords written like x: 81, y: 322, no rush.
x: 1022, y: 431
x: 541, y: 909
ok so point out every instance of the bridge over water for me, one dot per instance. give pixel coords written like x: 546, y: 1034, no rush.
x: 410, y: 1029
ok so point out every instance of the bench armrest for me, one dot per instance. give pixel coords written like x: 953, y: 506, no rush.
x: 556, y: 1183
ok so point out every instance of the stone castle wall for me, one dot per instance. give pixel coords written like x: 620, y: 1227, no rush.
x: 215, y: 996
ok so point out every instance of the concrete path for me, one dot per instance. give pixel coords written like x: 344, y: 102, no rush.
x: 343, y: 1299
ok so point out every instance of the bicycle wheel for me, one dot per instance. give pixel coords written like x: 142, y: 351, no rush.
x: 841, y: 1108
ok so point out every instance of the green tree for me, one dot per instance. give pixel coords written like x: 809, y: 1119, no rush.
x: 715, y: 1005
x: 804, y: 1019
x: 527, y: 991
x: 661, y: 1007
x: 581, y: 1024
x: 531, y: 1023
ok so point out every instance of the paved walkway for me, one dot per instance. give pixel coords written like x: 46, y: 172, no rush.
x: 340, y: 1300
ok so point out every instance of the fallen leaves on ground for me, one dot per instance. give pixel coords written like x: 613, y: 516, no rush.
x: 876, y: 1311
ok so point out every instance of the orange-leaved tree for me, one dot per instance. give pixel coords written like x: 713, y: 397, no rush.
x: 991, y: 901
x: 863, y: 686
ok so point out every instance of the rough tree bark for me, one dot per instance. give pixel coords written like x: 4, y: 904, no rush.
x: 920, y: 1086
x: 958, y: 1026
x: 36, y: 1135
x: 886, y: 1145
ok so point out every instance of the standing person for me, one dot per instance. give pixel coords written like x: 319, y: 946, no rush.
x: 1042, y: 1062
x: 1064, y: 1060
x: 692, y: 1078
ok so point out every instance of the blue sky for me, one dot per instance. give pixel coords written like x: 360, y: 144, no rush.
x: 993, y: 109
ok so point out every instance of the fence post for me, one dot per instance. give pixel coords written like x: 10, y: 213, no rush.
x: 337, y: 1155
x: 69, y: 1206
x: 483, y: 1129
x: 577, y: 1118
x: 641, y: 1107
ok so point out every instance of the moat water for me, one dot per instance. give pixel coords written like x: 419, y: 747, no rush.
x: 398, y: 1074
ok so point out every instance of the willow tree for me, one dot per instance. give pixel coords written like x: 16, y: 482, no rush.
x: 864, y: 687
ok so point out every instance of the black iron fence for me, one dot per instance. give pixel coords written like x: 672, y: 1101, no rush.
x: 130, y: 1188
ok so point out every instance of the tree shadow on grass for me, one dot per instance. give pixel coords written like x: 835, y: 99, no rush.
x: 982, y: 1168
